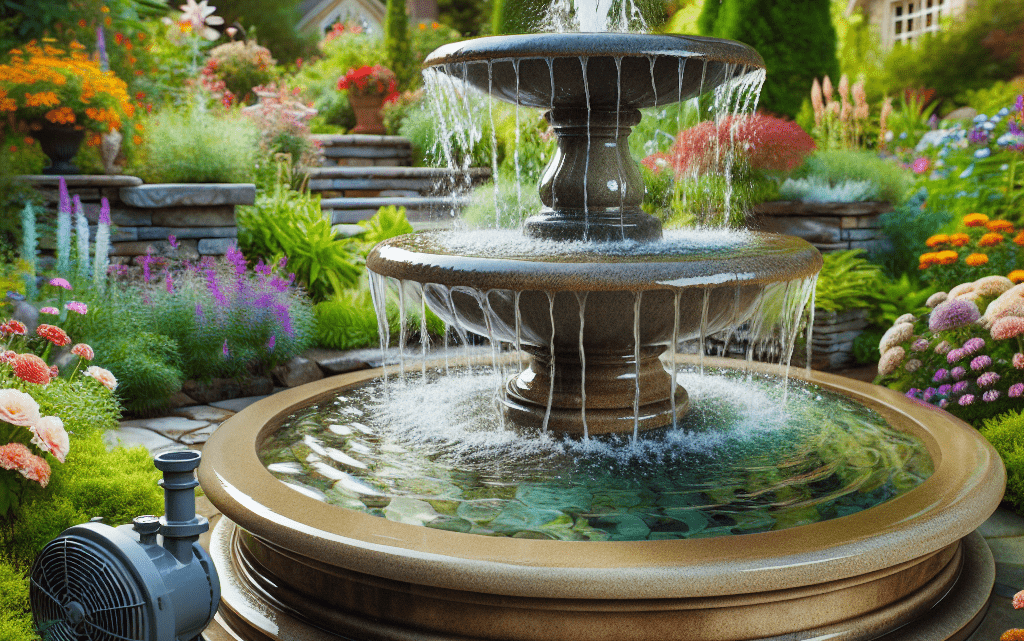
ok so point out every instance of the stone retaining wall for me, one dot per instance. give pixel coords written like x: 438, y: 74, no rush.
x: 201, y: 216
x: 360, y: 150
x: 827, y: 226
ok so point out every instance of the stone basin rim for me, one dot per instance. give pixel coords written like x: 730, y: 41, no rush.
x: 788, y: 258
x: 964, y: 490
x: 592, y: 45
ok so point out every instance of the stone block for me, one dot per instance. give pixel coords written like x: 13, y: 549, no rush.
x: 335, y: 361
x: 832, y: 247
x: 187, y: 249
x: 866, y: 245
x: 860, y: 234
x: 118, y: 234
x: 185, y: 194
x: 119, y: 215
x: 215, y: 246
x: 297, y: 371
x: 814, y: 230
x: 157, y: 233
x: 199, y: 216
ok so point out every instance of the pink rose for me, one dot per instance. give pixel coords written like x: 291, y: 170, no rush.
x: 103, y: 376
x: 49, y: 434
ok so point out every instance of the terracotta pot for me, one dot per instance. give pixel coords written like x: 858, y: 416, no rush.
x: 60, y: 143
x: 368, y: 116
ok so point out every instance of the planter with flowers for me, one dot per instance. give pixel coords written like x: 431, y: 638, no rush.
x: 61, y: 97
x: 369, y: 88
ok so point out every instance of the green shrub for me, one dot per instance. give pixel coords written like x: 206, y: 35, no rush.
x: 906, y: 228
x: 889, y: 181
x: 846, y: 281
x: 188, y: 145
x: 796, y: 40
x: 989, y: 100
x: 349, y: 321
x: 397, y: 53
x: 1006, y: 434
x: 15, y: 618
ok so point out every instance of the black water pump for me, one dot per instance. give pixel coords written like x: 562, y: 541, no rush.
x: 148, y: 581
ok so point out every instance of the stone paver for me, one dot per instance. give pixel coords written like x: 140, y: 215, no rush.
x: 1003, y: 523
x: 173, y: 427
x: 203, y: 413
x: 133, y: 436
x: 238, y: 404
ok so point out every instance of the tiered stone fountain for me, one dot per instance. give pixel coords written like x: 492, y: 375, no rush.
x: 596, y: 296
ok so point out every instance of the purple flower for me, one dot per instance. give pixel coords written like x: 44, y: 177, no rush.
x: 214, y: 288
x: 941, y: 374
x: 146, y: 261
x: 920, y: 345
x: 977, y: 136
x: 943, y: 403
x: 271, y: 342
x: 957, y: 373
x: 101, y: 49
x: 236, y: 258
x: 170, y: 283
x: 104, y: 211
x: 200, y: 316
x: 945, y: 389
x: 981, y: 362
x: 973, y: 345
x: 912, y: 392
x: 224, y: 349
x: 966, y: 400
x: 65, y: 200
x: 77, y: 307
x: 988, y: 378
x: 1016, y: 390
x: 952, y: 314
x: 928, y: 394
x: 173, y: 240
x: 60, y: 282
x: 990, y: 395
x: 960, y: 387
x: 954, y: 355
x: 78, y: 204
x: 281, y: 263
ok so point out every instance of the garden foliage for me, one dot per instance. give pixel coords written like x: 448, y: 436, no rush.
x: 847, y: 280
x: 1006, y: 434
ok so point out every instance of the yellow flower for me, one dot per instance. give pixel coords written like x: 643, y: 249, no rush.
x: 936, y: 240
x: 41, y: 99
x: 976, y: 260
x: 1017, y: 276
x: 947, y: 257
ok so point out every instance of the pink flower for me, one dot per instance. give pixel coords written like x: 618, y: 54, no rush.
x: 1016, y: 390
x: 49, y: 310
x: 77, y: 307
x: 1007, y: 327
x: 18, y: 408
x: 920, y: 165
x: 1018, y: 600
x: 973, y: 345
x: 957, y: 373
x: 990, y: 396
x: 84, y: 351
x: 920, y: 345
x: 981, y: 362
x: 1018, y: 361
x: 103, y: 376
x: 988, y: 378
x: 50, y: 436
x: 60, y: 282
x: 17, y: 456
x: 955, y: 354
x: 966, y: 400
x: 952, y: 314
x: 54, y: 334
x: 942, y: 348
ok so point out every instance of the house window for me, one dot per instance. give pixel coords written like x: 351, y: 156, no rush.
x: 911, y: 18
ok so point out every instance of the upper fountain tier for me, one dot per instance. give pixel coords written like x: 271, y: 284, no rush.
x: 593, y: 86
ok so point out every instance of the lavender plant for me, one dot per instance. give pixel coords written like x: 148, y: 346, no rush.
x: 101, y: 255
x: 81, y: 240
x: 64, y: 230
x: 29, y: 239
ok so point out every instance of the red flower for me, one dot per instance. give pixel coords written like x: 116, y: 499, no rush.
x: 31, y: 368
x: 54, y: 334
x: 13, y: 327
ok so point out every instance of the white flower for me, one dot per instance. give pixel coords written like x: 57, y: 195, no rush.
x: 49, y: 434
x: 18, y: 408
x: 200, y: 15
x: 103, y: 376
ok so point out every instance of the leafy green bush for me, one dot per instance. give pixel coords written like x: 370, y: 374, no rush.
x: 989, y: 100
x: 398, y: 55
x: 242, y: 65
x: 1006, y: 433
x: 906, y: 228
x: 844, y: 165
x: 289, y: 224
x: 15, y: 618
x: 188, y: 145
x: 846, y: 281
x: 349, y: 321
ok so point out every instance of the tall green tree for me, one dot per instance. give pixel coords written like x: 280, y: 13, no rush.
x: 796, y: 38
x: 396, y: 41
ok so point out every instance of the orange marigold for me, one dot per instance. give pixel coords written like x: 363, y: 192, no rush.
x: 1013, y: 635
x: 959, y: 240
x: 1017, y: 276
x: 1019, y: 239
x: 947, y: 257
x: 1000, y: 225
x: 936, y: 240
x: 975, y: 220
x: 975, y: 260
x: 927, y: 259
x: 61, y: 116
x: 990, y: 239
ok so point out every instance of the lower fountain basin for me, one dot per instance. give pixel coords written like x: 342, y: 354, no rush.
x: 294, y: 568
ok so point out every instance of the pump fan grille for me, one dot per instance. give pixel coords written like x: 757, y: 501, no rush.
x: 81, y: 592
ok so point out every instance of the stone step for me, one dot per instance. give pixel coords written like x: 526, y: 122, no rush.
x: 352, y: 210
x: 362, y: 150
x: 423, y: 180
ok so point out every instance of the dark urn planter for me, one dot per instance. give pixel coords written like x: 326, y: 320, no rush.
x: 368, y: 116
x: 60, y: 143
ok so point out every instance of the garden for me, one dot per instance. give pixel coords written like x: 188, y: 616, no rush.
x: 162, y: 232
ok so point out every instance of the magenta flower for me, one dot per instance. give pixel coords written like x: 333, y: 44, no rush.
x: 957, y: 373
x: 954, y: 355
x: 224, y: 349
x: 920, y: 345
x: 960, y: 387
x: 987, y: 379
x: 912, y: 392
x: 981, y: 362
x: 966, y: 400
x: 941, y: 374
x: 64, y: 206
x: 53, y: 311
x: 952, y: 314
x: 77, y: 307
x: 990, y: 396
x: 1016, y: 390
x: 973, y: 345
x: 271, y: 342
x: 60, y: 282
x: 920, y: 165
x: 945, y: 389
x: 104, y: 211
x: 169, y: 281
x: 173, y: 240
x: 943, y: 403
